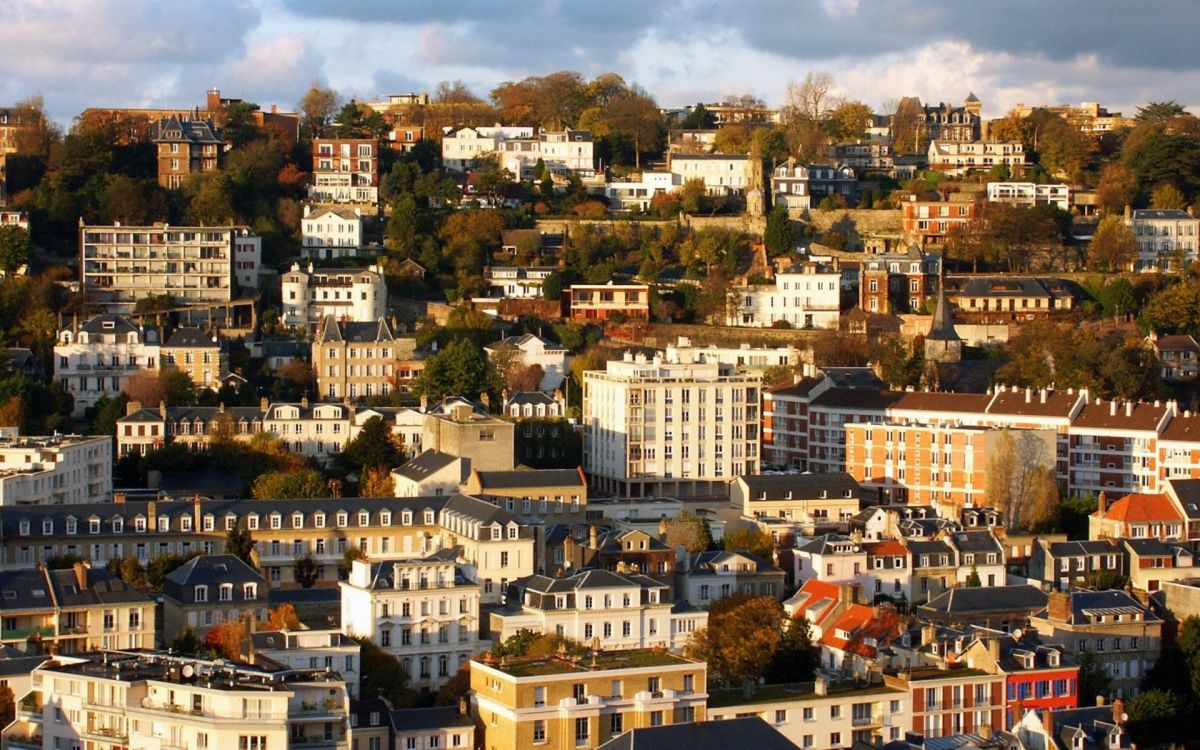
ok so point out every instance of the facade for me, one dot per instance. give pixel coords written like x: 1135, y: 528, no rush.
x: 189, y: 265
x: 528, y: 350
x: 1166, y: 238
x: 558, y: 495
x: 948, y: 122
x: 957, y: 158
x: 722, y: 174
x: 635, y: 446
x: 423, y: 611
x: 1179, y: 356
x: 704, y: 577
x: 345, y: 170
x: 1138, y: 516
x: 816, y: 502
x: 185, y: 147
x: 96, y: 358
x: 356, y: 360
x: 310, y: 295
x: 807, y: 296
x: 599, y: 302
x: 562, y: 703
x: 994, y: 300
x: 899, y: 283
x: 933, y: 221
x: 328, y: 233
x: 461, y: 147
x: 558, y: 150
x: 210, y: 590
x: 201, y: 355
x: 1030, y: 194
x: 516, y: 282
x: 952, y: 701
x: 459, y: 428
x: 55, y: 470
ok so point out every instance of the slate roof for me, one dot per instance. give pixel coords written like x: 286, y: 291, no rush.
x: 709, y: 561
x: 1082, y: 602
x: 529, y: 398
x: 976, y: 541
x: 942, y: 326
x: 178, y: 129
x: 119, y: 324
x: 589, y: 578
x: 208, y: 570
x: 963, y: 600
x: 494, y: 480
x: 16, y: 663
x: 102, y: 588
x: 1188, y: 492
x: 190, y: 338
x: 354, y: 332
x: 421, y: 719
x: 1161, y: 213
x: 708, y: 735
x: 517, y: 342
x: 823, y: 545
x: 427, y: 463
x: 25, y: 589
x: 804, y: 486
x: 1083, y: 548
x: 801, y: 387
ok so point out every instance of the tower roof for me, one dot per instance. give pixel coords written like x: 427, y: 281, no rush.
x: 942, y: 328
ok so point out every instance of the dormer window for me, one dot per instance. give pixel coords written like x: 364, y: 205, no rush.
x: 139, y: 524
x: 319, y: 520
x: 164, y: 523
x: 210, y: 522
x: 297, y: 520
x: 118, y: 525
x: 24, y: 528
x: 185, y: 523
x: 428, y: 518
x: 342, y: 519
x: 276, y: 521
x: 71, y: 526
x: 93, y: 525
x: 385, y: 518
x: 364, y: 518
x: 406, y: 518
x: 252, y: 522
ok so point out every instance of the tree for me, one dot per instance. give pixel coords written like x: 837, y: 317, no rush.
x: 376, y: 481
x: 1014, y: 478
x: 527, y: 378
x: 1094, y: 679
x: 226, y: 638
x: 162, y: 566
x: 1113, y: 246
x: 1160, y: 112
x: 741, y: 639
x: 152, y: 387
x: 458, y: 370
x: 1167, y: 196
x: 382, y: 674
x: 14, y: 247
x: 129, y: 570
x: 374, y: 446
x: 283, y: 617
x: 778, y: 234
x: 306, y: 570
x: 1117, y: 187
x: 454, y: 92
x: 1174, y: 309
x: 797, y: 658
x: 240, y: 543
x: 8, y: 705
x: 750, y: 540
x: 1158, y: 717
x: 281, y: 485
x: 455, y: 688
x: 552, y: 287
x: 973, y: 581
x: 690, y: 531
x: 402, y: 226
x: 187, y: 643
x: 848, y: 120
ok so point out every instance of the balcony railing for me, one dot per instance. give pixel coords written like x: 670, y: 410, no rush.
x: 10, y: 634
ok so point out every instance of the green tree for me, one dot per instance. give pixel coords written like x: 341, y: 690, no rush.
x: 973, y: 581
x: 102, y: 417
x: 240, y: 543
x: 1174, y: 309
x: 187, y: 643
x: 382, y: 675
x: 1094, y: 679
x: 778, y: 234
x: 1160, y: 112
x: 743, y: 634
x: 699, y: 118
x: 1113, y: 246
x: 316, y: 109
x: 552, y: 287
x: 403, y: 225
x: 306, y: 570
x: 280, y: 485
x: 1158, y: 717
x: 160, y: 567
x: 461, y: 369
x: 14, y: 247
x: 797, y: 658
x: 373, y: 446
x: 848, y: 121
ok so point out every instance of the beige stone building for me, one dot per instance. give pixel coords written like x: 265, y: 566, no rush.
x: 185, y: 147
x: 554, y: 495
x: 199, y: 354
x: 460, y: 428
x: 357, y: 360
x: 559, y: 702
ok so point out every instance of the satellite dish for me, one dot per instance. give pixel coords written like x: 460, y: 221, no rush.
x: 188, y: 670
x: 1016, y: 634
x: 1124, y: 717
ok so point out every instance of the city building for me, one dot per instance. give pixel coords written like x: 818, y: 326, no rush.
x: 357, y: 360
x: 55, y: 469
x: 558, y: 495
x: 463, y: 146
x: 517, y: 282
x: 1179, y: 356
x: 932, y: 222
x: 423, y: 611
x: 1137, y: 516
x: 539, y: 405
x: 1000, y: 608
x: 736, y: 732
x: 947, y: 122
x: 563, y: 702
x: 96, y: 358
x: 1089, y: 117
x: 1038, y: 677
x: 345, y: 170
x: 895, y: 283
x: 635, y: 446
x: 817, y: 503
x: 637, y: 192
x: 120, y: 265
x: 1030, y: 194
x: 431, y: 728
x: 600, y: 302
x: 996, y: 300
x: 722, y: 174
x: 210, y: 590
x: 331, y: 232
x: 312, y: 649
x: 310, y: 295
x: 560, y: 151
x: 1065, y: 565
x: 806, y: 296
x: 460, y: 428
x: 201, y: 355
x: 185, y: 147
x: 958, y: 158
x: 1166, y: 238
x: 950, y: 699
x: 824, y: 713
x: 703, y: 577
x: 528, y: 350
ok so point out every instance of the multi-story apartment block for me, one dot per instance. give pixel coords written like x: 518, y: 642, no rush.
x: 599, y: 302
x: 185, y: 147
x: 558, y: 495
x: 617, y: 611
x: 74, y: 610
x: 933, y: 221
x: 562, y: 702
x: 818, y: 502
x: 1166, y: 238
x: 947, y: 122
x: 806, y: 296
x: 1030, y: 194
x: 461, y: 147
x: 190, y: 265
x: 801, y: 187
x: 328, y: 233
x: 1089, y: 117
x: 1124, y: 636
x: 1037, y: 677
x: 96, y: 358
x: 55, y: 469
x: 957, y: 158
x: 950, y: 701
x: 637, y: 194
x: 309, y: 295
x: 202, y: 355
x: 557, y: 150
x: 1067, y: 564
x: 653, y: 427
x: 424, y: 611
x: 462, y: 429
x: 156, y: 699
x: 345, y: 170
x: 993, y: 300
x: 785, y: 422
x: 528, y: 350
x: 820, y: 714
x: 210, y: 590
x: 357, y: 360
x: 722, y: 174
x: 865, y: 157
x: 516, y: 282
x: 898, y: 283
x: 704, y: 577
x: 332, y: 649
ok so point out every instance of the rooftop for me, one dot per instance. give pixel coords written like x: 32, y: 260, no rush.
x: 543, y: 666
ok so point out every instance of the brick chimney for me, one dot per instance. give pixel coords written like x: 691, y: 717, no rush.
x: 81, y: 574
x: 133, y: 407
x: 593, y: 537
x: 1118, y: 712
x: 151, y: 516
x: 1058, y: 606
x: 1102, y: 503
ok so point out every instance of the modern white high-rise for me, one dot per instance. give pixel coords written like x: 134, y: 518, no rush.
x: 655, y: 427
x: 55, y: 469
x: 346, y: 294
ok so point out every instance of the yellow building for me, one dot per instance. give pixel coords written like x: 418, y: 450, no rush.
x: 560, y: 702
x: 201, y: 355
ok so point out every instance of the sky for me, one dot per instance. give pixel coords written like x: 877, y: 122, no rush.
x: 81, y: 53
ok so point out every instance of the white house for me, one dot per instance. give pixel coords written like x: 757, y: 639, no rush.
x: 1030, y: 194
x: 723, y: 174
x: 516, y: 282
x: 328, y: 233
x: 957, y: 158
x: 97, y: 358
x: 807, y: 296
x: 635, y: 195
x: 351, y: 295
x: 1163, y: 236
x: 532, y: 350
x: 314, y: 431
x: 55, y: 470
x: 431, y: 473
x: 460, y: 147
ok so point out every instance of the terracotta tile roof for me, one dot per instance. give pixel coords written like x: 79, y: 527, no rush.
x: 1182, y: 429
x: 800, y: 388
x: 1127, y: 416
x: 861, y: 624
x: 1142, y: 507
x: 1058, y: 403
x: 888, y: 548
x: 976, y: 403
x: 815, y: 600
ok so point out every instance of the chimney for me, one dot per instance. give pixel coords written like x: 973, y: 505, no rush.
x: 1099, y: 700
x: 821, y: 685
x: 1058, y: 606
x: 263, y: 404
x: 81, y: 574
x: 662, y: 529
x: 593, y: 537
x: 1128, y: 408
x: 993, y: 645
x: 1043, y: 395
x: 119, y: 498
x: 1128, y: 213
x: 1102, y: 502
x: 1118, y: 712
x: 1028, y: 395
x: 847, y: 593
x: 1112, y: 408
x: 196, y: 513
x: 151, y: 515
x: 162, y: 409
x: 249, y: 626
x: 304, y: 401
x: 462, y: 706
x: 928, y: 633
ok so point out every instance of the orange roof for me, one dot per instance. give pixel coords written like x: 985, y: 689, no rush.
x: 860, y: 623
x: 1142, y: 507
x: 886, y: 548
x: 816, y: 599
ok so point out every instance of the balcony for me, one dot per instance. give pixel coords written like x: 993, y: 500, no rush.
x: 316, y: 743
x: 23, y: 742
x: 15, y: 634
x: 104, y: 734
x: 874, y: 720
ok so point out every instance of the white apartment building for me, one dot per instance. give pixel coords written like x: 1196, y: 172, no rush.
x: 744, y: 357
x: 806, y: 296
x: 96, y: 358
x: 313, y: 649
x: 635, y: 195
x: 557, y: 150
x: 345, y: 294
x: 1164, y: 237
x: 789, y: 186
x: 328, y: 233
x: 193, y: 265
x: 957, y: 158
x: 516, y: 282
x: 424, y: 611
x: 153, y: 699
x: 1030, y: 194
x: 616, y: 610
x: 723, y: 174
x: 655, y: 427
x: 460, y: 147
x: 55, y: 470
x: 315, y: 431
x: 529, y: 350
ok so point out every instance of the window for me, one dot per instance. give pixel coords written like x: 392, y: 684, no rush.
x: 616, y: 724
x: 539, y: 730
x: 656, y: 718
x: 581, y: 731
x: 201, y: 594
x: 781, y: 716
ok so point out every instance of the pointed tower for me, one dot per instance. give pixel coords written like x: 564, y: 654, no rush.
x: 942, y: 343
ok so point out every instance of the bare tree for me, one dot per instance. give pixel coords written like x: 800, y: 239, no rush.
x: 1019, y: 472
x: 809, y: 99
x: 454, y: 92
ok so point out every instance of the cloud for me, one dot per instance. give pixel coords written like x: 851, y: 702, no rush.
x: 277, y: 70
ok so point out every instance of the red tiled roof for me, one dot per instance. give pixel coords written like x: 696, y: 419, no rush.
x: 1058, y: 403
x: 817, y: 592
x: 887, y: 548
x: 861, y: 623
x: 1139, y: 416
x: 1142, y: 507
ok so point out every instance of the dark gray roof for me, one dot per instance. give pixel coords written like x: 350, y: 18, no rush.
x: 1083, y: 547
x: 174, y: 128
x: 1161, y: 213
x: 709, y: 561
x: 429, y: 462
x: 942, y: 327
x: 1083, y: 601
x: 102, y: 588
x: 492, y: 480
x: 208, y: 480
x: 108, y: 324
x: 206, y: 570
x: 16, y: 663
x: 532, y: 398
x: 1188, y: 492
x: 24, y: 589
x: 591, y: 578
x: 707, y: 735
x: 823, y: 545
x: 353, y: 332
x: 964, y: 600
x: 976, y: 541
x: 802, y: 486
x: 191, y: 337
x: 421, y: 719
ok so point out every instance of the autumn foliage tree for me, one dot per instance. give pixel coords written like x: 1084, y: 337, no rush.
x: 1113, y: 246
x: 283, y: 617
x: 226, y: 639
x: 741, y: 639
